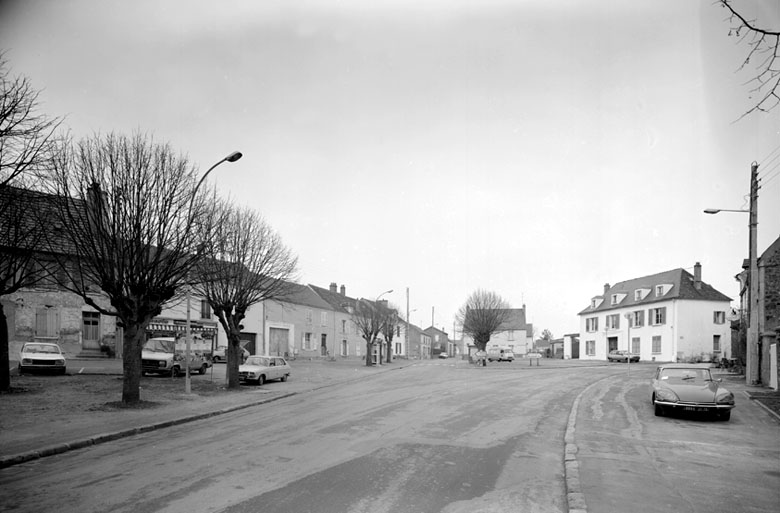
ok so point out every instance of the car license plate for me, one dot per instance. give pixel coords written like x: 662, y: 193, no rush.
x: 694, y: 408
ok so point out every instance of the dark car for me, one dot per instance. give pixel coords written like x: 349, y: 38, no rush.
x: 689, y: 388
x: 622, y: 356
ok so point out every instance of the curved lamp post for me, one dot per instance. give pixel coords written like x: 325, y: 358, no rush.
x: 188, y: 333
x: 752, y: 372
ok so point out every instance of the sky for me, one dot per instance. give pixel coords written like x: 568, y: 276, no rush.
x: 532, y: 148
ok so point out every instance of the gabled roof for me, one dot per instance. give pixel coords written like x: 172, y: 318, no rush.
x: 434, y: 330
x: 302, y: 295
x: 515, y: 320
x: 682, y: 287
x: 335, y: 300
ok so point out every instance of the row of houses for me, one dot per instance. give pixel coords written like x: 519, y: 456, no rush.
x: 308, y: 322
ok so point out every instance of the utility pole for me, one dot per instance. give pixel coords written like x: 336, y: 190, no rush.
x: 753, y: 374
x: 407, y: 321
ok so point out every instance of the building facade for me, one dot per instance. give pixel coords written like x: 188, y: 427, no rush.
x: 670, y: 316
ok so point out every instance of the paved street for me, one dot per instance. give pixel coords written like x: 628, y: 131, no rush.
x: 426, y: 438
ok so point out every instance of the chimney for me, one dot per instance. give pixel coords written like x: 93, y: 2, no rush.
x: 606, y: 288
x: 697, y: 276
x: 333, y: 287
x: 343, y: 290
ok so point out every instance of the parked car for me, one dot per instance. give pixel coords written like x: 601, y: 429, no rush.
x: 160, y: 356
x: 443, y: 355
x: 501, y: 355
x: 220, y: 355
x: 41, y: 357
x: 690, y: 388
x: 264, y: 368
x: 622, y: 356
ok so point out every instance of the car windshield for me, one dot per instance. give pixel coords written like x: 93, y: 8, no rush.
x: 41, y: 348
x: 257, y: 360
x: 159, y: 345
x: 686, y: 374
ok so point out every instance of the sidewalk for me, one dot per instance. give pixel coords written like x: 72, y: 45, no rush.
x: 57, y: 435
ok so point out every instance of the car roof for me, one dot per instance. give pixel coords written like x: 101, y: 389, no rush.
x: 685, y: 366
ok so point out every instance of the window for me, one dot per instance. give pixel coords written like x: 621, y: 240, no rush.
x: 205, y: 309
x: 344, y: 348
x: 398, y: 332
x: 659, y: 290
x: 635, y: 345
x: 47, y: 322
x: 716, y: 343
x: 657, y: 316
x: 614, y: 299
x: 510, y: 335
x: 592, y: 324
x: 343, y: 325
x: 324, y: 318
x: 593, y: 303
x: 637, y: 295
x: 436, y: 337
x: 307, y: 342
x: 590, y: 347
x: 656, y: 344
x: 613, y: 322
x: 90, y: 326
x: 637, y: 319
x: 308, y: 316
x: 719, y: 317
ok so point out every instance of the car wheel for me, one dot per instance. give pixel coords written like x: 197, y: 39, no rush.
x: 659, y: 410
x: 260, y: 380
x: 202, y: 369
x: 725, y: 415
x: 284, y: 378
x: 175, y: 372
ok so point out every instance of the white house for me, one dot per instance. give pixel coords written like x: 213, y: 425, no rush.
x: 514, y: 334
x: 670, y: 316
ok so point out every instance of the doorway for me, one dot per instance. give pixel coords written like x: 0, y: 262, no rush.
x: 324, y: 344
x: 278, y: 345
x: 611, y: 344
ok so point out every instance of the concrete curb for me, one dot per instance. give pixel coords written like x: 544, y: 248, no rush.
x: 575, y: 499
x: 16, y: 459
x: 766, y: 408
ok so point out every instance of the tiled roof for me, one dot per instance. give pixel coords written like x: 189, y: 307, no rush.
x: 682, y: 287
x: 336, y: 300
x: 303, y: 295
x: 515, y: 320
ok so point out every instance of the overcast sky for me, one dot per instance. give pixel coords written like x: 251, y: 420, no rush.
x: 535, y: 148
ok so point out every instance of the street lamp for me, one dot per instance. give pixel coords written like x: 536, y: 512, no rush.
x: 382, y: 294
x: 188, y: 333
x: 752, y: 373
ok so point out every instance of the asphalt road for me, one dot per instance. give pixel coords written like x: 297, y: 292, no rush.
x: 426, y: 438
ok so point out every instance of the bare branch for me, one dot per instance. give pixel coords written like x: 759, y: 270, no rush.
x: 761, y: 41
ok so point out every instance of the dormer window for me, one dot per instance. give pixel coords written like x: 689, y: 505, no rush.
x: 637, y: 295
x: 659, y: 290
x: 614, y: 299
x: 596, y: 302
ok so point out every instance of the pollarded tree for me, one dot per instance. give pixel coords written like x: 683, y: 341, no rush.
x: 369, y: 318
x: 389, y: 327
x: 245, y: 263
x: 26, y: 141
x: 763, y: 56
x: 131, y: 225
x: 482, y: 315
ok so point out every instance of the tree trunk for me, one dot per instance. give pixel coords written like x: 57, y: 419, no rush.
x: 234, y: 358
x: 369, y: 354
x: 389, y: 352
x: 5, y: 372
x: 135, y: 337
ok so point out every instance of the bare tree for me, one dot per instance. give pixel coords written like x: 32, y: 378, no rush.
x: 482, y: 315
x: 26, y: 141
x: 369, y: 319
x: 389, y: 327
x: 547, y: 334
x: 130, y: 227
x: 27, y: 138
x: 763, y: 56
x: 244, y: 264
